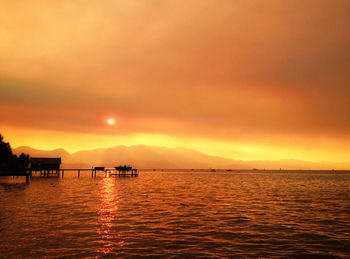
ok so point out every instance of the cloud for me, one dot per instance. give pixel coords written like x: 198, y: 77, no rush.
x: 215, y: 69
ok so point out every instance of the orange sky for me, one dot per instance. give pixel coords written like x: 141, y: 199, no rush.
x: 235, y: 78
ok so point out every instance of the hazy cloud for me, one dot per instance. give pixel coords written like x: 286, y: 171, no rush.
x: 213, y: 68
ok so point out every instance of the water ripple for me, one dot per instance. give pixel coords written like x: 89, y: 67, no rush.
x: 177, y: 215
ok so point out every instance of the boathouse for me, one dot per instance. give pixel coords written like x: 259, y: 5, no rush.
x: 45, y: 163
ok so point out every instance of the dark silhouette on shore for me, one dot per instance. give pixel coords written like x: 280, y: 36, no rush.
x: 10, y: 162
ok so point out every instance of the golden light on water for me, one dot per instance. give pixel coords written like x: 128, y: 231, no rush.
x: 107, y: 210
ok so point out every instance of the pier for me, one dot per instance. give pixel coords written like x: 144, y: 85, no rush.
x: 108, y: 172
x: 48, y: 167
x: 51, y: 167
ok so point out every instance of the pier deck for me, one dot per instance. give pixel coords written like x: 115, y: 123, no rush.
x: 108, y: 172
x: 117, y: 171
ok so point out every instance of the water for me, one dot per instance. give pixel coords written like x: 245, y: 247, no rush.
x: 177, y: 214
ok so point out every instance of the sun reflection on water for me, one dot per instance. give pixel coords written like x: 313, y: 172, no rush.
x: 110, y: 239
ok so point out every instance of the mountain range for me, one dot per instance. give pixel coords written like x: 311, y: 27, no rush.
x: 152, y: 157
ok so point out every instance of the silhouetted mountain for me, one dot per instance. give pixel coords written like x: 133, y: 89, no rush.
x: 137, y: 156
x: 160, y: 157
x: 42, y: 153
x: 152, y: 157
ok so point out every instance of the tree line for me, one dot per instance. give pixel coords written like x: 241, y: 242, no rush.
x: 9, y: 161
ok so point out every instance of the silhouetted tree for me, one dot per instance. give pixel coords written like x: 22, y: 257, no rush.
x: 9, y: 161
x: 23, y: 160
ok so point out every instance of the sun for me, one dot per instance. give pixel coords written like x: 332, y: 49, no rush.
x: 111, y: 121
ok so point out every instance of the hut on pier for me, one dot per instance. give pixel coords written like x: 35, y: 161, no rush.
x: 45, y: 164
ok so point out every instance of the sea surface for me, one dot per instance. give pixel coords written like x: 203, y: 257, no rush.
x: 177, y: 215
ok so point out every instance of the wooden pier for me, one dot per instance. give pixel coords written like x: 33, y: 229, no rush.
x: 108, y: 172
x: 119, y: 171
x: 50, y: 166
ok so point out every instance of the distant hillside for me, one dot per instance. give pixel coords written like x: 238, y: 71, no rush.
x: 42, y: 153
x: 149, y: 157
x: 137, y: 156
x: 153, y: 157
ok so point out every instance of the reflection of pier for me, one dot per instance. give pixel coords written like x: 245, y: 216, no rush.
x: 20, y: 173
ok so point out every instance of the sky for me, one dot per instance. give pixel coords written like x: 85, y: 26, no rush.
x: 243, y: 79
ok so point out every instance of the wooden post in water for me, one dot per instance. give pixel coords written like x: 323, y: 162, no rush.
x: 78, y: 173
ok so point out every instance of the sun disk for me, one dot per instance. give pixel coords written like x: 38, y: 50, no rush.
x: 111, y: 121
